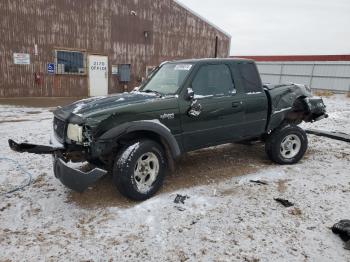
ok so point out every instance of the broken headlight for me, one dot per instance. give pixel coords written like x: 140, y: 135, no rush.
x: 75, y: 133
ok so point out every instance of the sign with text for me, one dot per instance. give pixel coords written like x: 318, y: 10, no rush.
x: 21, y: 59
x: 50, y: 68
x: 115, y: 69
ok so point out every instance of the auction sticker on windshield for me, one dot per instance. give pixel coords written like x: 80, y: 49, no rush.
x: 184, y: 67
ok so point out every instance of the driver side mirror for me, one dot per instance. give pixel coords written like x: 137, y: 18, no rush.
x: 190, y: 94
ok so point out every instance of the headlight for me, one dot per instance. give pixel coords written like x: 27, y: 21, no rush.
x: 75, y: 133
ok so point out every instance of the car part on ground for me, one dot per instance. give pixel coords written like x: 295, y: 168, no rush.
x: 333, y: 135
x: 180, y: 199
x: 34, y: 149
x: 284, y: 202
x: 342, y: 228
x: 259, y: 182
x: 76, y: 179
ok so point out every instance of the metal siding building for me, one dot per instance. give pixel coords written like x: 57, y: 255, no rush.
x: 63, y: 35
x: 328, y: 72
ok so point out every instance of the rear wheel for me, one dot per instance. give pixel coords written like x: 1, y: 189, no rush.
x: 139, y: 169
x: 287, y: 144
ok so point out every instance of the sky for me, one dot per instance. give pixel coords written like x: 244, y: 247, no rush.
x: 280, y: 27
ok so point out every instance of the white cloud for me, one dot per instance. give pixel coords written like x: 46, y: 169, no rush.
x: 275, y: 27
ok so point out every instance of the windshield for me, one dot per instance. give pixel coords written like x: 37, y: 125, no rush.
x: 168, y: 79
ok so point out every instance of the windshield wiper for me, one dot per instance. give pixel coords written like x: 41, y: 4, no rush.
x: 152, y: 91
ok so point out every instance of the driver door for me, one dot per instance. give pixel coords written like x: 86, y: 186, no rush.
x: 221, y: 109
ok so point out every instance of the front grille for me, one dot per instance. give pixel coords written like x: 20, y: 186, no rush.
x: 59, y: 128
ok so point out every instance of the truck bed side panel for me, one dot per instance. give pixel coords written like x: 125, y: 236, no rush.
x: 282, y: 99
x: 256, y: 108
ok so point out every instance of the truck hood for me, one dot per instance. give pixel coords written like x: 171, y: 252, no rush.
x: 96, y: 105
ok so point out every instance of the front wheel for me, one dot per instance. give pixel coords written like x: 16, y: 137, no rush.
x: 287, y: 144
x: 139, y: 169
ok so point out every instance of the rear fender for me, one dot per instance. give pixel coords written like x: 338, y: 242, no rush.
x: 313, y: 110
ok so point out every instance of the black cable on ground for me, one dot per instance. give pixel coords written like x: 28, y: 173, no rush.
x: 19, y: 167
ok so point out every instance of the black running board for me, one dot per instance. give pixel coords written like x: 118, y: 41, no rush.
x: 333, y: 135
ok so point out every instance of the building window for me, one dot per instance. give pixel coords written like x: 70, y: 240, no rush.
x: 70, y: 62
x: 124, y: 72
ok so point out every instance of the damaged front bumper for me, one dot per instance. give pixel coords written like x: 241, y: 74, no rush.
x: 72, y: 178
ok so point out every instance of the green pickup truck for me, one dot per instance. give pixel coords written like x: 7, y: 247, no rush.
x: 182, y: 106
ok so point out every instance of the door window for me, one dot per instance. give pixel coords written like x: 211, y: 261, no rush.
x: 250, y: 76
x: 213, y: 80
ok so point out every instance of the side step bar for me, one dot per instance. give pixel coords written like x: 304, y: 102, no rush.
x: 333, y: 135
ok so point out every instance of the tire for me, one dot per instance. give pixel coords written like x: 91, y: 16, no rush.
x: 139, y: 169
x: 286, y: 145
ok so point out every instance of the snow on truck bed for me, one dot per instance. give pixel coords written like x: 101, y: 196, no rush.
x: 226, y: 218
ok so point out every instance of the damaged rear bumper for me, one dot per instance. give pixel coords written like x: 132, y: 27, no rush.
x: 72, y: 178
x: 316, y: 109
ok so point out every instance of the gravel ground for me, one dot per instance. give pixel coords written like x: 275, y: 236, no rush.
x: 225, y: 218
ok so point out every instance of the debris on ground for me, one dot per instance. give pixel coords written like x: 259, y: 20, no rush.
x: 5, y: 207
x: 180, y: 199
x: 181, y: 209
x: 295, y: 211
x: 342, y: 228
x: 341, y: 136
x: 260, y: 182
x: 284, y: 202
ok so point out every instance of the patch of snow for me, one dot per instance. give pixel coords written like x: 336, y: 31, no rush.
x: 170, y: 96
x: 183, y: 67
x: 143, y: 93
x: 54, y: 142
x: 201, y: 96
x: 253, y: 93
x: 128, y: 153
x: 282, y: 110
x: 77, y: 165
x: 78, y: 107
x: 90, y: 99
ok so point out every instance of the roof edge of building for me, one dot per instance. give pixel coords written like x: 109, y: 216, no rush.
x: 202, y: 18
x: 297, y: 58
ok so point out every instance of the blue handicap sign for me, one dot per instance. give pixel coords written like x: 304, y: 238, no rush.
x: 51, y: 68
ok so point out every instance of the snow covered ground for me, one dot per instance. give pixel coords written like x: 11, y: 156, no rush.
x: 226, y: 218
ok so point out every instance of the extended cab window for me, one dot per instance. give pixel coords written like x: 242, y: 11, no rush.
x: 213, y: 80
x: 250, y: 76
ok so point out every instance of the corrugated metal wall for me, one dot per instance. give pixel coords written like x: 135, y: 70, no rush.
x: 106, y: 27
x: 318, y: 75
